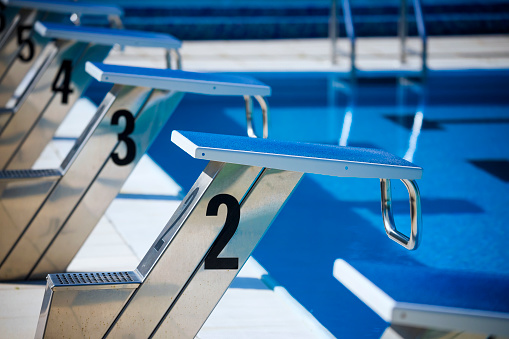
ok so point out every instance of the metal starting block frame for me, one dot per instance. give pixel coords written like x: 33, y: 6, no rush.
x: 46, y: 215
x: 45, y: 96
x: 19, y: 48
x: 207, y: 240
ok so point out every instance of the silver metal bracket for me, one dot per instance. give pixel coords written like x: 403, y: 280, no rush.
x: 413, y: 241
x: 176, y: 56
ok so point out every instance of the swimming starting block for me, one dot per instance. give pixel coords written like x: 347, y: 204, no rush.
x: 424, y: 302
x: 46, y: 215
x: 43, y: 99
x: 17, y: 43
x: 207, y: 240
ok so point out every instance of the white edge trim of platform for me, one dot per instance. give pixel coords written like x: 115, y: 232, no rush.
x: 332, y: 167
x: 416, y: 315
x: 180, y: 85
x: 67, y: 7
x: 40, y: 28
x: 109, y: 39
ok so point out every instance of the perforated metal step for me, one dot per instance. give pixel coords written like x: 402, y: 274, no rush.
x: 64, y: 279
x: 23, y: 174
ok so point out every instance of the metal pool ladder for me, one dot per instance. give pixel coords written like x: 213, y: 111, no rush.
x: 402, y: 31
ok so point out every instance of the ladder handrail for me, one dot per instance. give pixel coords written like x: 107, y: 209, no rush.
x: 349, y: 26
x: 421, y: 30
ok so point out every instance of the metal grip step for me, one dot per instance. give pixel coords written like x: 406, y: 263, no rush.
x: 101, y: 278
x: 30, y: 173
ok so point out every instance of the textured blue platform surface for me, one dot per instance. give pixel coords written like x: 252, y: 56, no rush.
x: 295, y: 156
x: 192, y: 82
x: 67, y: 7
x: 107, y: 36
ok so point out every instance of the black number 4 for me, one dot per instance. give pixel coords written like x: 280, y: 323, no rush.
x: 124, y: 136
x: 212, y: 262
x: 64, y: 86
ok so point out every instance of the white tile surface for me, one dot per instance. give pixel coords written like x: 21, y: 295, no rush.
x: 148, y: 178
x: 139, y: 222
x: 20, y: 305
x: 77, y: 119
x: 372, y: 54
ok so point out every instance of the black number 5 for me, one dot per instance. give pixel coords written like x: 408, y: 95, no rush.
x: 212, y: 262
x: 124, y: 136
x: 27, y: 42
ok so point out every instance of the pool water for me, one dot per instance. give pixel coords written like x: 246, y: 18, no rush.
x: 455, y: 125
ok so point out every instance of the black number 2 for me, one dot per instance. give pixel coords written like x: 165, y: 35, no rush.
x: 212, y: 262
x: 64, y: 86
x: 27, y: 42
x: 124, y: 136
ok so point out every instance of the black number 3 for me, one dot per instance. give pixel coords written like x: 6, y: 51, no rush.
x: 27, y: 42
x: 212, y: 262
x: 124, y: 136
x: 64, y: 87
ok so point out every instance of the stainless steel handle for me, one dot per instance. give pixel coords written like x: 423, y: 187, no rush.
x: 249, y: 116
x: 412, y: 242
x: 177, y: 57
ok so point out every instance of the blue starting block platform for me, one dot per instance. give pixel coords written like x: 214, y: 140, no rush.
x: 66, y: 7
x: 106, y: 36
x: 297, y: 156
x: 191, y: 82
x: 430, y: 299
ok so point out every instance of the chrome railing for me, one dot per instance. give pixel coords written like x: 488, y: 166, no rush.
x: 421, y: 29
x: 402, y: 31
x: 334, y: 30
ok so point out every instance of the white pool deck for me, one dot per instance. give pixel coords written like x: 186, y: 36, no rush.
x: 254, y: 306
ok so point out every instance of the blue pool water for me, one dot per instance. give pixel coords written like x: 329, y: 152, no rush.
x: 455, y: 126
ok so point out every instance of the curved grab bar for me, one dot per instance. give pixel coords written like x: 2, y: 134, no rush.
x: 177, y: 56
x: 249, y: 116
x: 412, y: 242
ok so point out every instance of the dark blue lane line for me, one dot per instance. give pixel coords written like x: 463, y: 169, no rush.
x: 499, y: 168
x: 149, y: 196
x: 430, y: 206
x: 407, y: 121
